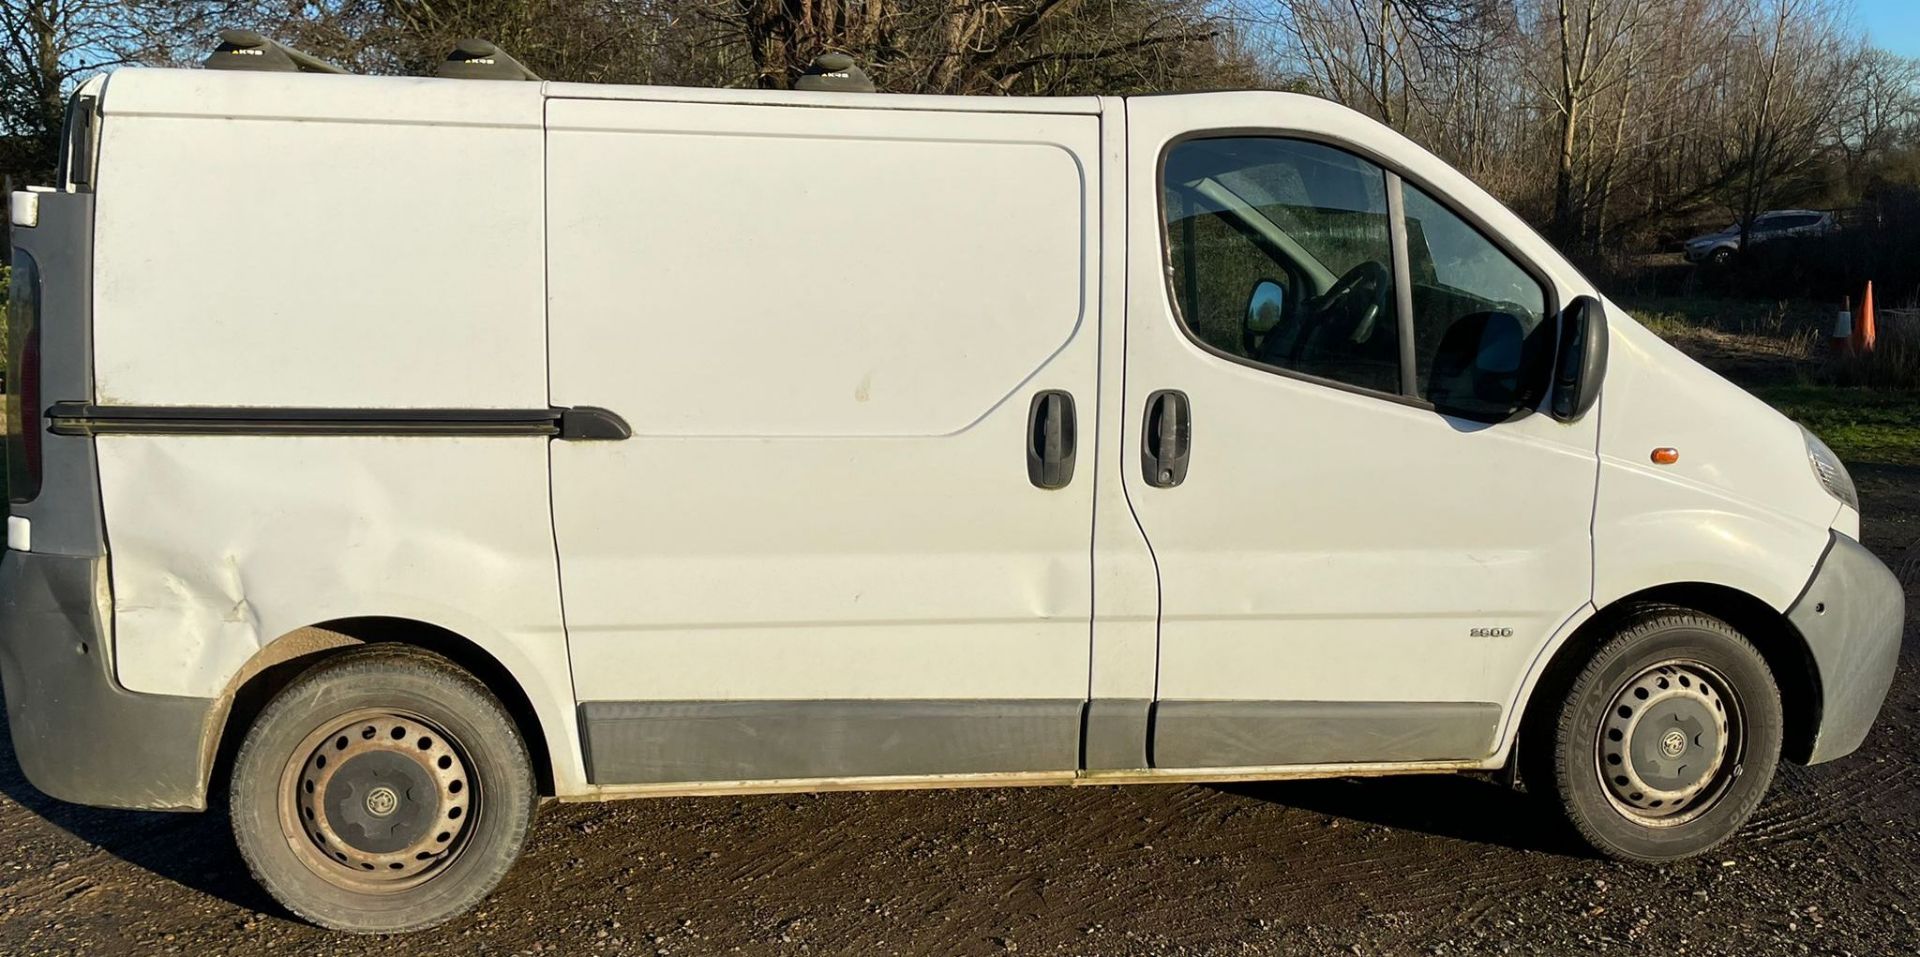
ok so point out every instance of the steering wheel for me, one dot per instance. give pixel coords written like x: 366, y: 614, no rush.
x: 1348, y: 309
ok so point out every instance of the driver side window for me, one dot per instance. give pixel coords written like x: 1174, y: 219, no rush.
x: 1245, y: 214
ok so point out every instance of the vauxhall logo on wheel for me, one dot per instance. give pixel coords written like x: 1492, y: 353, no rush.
x: 382, y: 801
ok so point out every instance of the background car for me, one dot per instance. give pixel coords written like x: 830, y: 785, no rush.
x: 1718, y: 247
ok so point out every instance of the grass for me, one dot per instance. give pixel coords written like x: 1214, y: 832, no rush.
x: 1782, y: 322
x: 1866, y: 407
x: 1862, y: 425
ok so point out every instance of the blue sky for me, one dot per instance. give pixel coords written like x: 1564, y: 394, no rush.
x: 1894, y: 24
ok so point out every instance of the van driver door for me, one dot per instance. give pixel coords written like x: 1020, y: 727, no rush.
x: 1364, y: 526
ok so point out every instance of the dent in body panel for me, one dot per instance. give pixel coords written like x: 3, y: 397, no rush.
x: 79, y: 737
x: 221, y: 544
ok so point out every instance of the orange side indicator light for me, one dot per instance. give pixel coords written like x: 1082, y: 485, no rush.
x: 1665, y: 456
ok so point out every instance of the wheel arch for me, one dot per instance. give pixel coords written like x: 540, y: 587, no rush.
x: 1778, y: 641
x: 282, y: 660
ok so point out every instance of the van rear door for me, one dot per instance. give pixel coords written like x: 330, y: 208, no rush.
x: 836, y: 334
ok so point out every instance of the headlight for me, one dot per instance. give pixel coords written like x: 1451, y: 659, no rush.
x: 1827, y: 468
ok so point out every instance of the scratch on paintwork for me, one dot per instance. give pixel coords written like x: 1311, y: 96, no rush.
x: 864, y: 390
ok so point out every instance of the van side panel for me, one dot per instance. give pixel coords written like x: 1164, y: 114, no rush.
x: 221, y: 544
x: 288, y: 240
x: 826, y: 327
x: 811, y: 273
x: 335, y: 245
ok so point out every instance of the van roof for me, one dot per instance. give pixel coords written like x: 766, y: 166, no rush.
x: 242, y: 94
x: 406, y: 99
x: 894, y: 101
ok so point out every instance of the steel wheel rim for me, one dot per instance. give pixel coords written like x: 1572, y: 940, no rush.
x: 378, y: 801
x: 1670, y: 743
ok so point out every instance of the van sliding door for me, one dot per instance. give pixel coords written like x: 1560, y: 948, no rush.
x: 842, y: 339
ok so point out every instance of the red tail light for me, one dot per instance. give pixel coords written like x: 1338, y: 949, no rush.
x: 24, y: 427
x: 30, y: 412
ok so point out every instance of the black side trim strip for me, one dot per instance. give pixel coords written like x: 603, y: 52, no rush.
x: 85, y: 418
x: 592, y: 424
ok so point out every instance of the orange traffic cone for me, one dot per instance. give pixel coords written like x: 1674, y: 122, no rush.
x: 1863, y: 332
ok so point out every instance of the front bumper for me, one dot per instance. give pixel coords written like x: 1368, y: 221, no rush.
x: 77, y: 734
x: 1851, y: 615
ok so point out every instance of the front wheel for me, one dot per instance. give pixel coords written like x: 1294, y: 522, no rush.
x: 1666, y: 742
x: 383, y: 790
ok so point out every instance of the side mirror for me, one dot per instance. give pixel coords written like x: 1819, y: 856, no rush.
x: 1266, y: 306
x: 1581, y: 364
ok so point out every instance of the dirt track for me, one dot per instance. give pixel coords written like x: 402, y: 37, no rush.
x: 1445, y: 865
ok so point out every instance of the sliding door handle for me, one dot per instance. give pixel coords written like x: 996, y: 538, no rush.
x: 1052, y: 437
x: 1166, y: 438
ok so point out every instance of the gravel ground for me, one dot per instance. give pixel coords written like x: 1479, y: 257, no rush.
x: 1438, y: 865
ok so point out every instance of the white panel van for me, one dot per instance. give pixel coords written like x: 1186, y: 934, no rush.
x: 394, y: 452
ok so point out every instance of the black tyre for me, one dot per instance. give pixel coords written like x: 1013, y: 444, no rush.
x: 1721, y: 256
x: 1665, y: 743
x: 383, y: 790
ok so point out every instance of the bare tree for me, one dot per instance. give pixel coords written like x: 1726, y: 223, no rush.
x: 988, y: 46
x: 1393, y: 59
x: 49, y: 45
x: 1600, y: 118
x: 928, y: 46
x: 1594, y: 50
x: 1879, y: 108
x: 1789, y: 67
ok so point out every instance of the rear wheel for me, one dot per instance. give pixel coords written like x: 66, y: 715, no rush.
x: 1666, y: 742
x: 383, y: 790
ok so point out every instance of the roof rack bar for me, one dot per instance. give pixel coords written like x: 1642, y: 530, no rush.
x: 247, y: 50
x: 476, y: 59
x: 308, y: 63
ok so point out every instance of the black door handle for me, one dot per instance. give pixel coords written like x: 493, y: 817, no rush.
x: 1051, y: 439
x: 1166, y: 438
